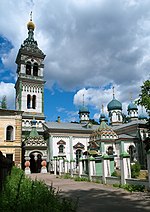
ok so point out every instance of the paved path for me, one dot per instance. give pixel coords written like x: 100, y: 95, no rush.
x: 95, y: 197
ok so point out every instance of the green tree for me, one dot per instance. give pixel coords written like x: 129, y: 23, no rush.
x: 144, y: 99
x: 4, y: 103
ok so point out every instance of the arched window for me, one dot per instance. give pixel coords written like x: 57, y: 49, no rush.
x: 9, y: 133
x: 34, y: 101
x: 35, y: 69
x: 78, y: 155
x: 61, y: 148
x: 119, y: 118
x: 110, y: 150
x: 28, y: 101
x: 28, y: 68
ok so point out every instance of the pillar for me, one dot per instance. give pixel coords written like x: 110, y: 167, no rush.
x: 91, y: 167
x: 125, y: 167
x: 105, y: 167
x: 72, y: 167
x: 80, y: 167
x: 27, y: 166
x: 66, y: 166
x: 55, y: 166
x: 60, y: 165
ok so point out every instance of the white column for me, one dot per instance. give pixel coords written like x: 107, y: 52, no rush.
x: 80, y: 167
x: 125, y: 167
x: 55, y: 166
x: 71, y: 167
x: 66, y: 166
x: 105, y: 167
x: 91, y: 168
x: 60, y: 166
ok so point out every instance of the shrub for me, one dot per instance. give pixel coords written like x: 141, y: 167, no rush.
x: 135, y: 170
x: 21, y: 194
x: 131, y: 188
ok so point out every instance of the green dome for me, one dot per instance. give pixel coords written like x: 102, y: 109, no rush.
x: 132, y: 106
x: 84, y: 109
x: 114, y: 104
x: 103, y: 117
x: 142, y: 116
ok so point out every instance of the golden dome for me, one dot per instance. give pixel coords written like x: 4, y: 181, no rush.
x: 30, y: 25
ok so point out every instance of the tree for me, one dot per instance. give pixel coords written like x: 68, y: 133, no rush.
x: 4, y: 103
x: 144, y: 99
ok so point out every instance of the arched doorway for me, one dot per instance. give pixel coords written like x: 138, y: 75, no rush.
x: 35, y: 162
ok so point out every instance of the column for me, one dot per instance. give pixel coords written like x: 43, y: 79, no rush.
x: 125, y: 167
x: 66, y: 166
x: 55, y: 166
x: 27, y: 166
x: 60, y: 165
x: 72, y: 167
x: 80, y: 167
x: 91, y: 168
x: 105, y: 167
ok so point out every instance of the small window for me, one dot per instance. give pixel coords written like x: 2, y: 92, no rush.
x: 34, y: 101
x: 28, y: 68
x: 35, y: 69
x: 61, y: 148
x: 78, y: 155
x: 28, y: 101
x: 110, y: 150
x: 9, y: 133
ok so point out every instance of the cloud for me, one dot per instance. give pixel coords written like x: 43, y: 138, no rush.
x: 89, y: 44
x: 8, y: 90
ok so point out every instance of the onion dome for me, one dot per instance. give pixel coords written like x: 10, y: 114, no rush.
x: 132, y: 106
x: 114, y: 104
x: 142, y: 116
x: 83, y: 109
x: 103, y: 116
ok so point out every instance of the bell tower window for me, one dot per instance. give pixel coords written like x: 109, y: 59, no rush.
x: 35, y: 69
x: 34, y: 101
x: 28, y: 101
x: 28, y: 68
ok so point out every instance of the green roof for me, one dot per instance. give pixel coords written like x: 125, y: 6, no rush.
x: 114, y: 104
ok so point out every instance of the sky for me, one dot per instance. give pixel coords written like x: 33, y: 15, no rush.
x: 90, y: 46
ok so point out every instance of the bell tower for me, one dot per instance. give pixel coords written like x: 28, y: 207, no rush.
x: 30, y: 81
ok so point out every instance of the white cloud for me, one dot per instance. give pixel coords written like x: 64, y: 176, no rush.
x: 8, y: 90
x: 88, y: 44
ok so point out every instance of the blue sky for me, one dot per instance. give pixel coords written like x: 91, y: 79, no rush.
x: 90, y: 47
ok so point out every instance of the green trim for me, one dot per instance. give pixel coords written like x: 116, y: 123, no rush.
x: 105, y: 156
x: 102, y: 147
x: 72, y: 160
x: 91, y: 158
x: 124, y: 155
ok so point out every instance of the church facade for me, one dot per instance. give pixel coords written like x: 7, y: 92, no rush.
x: 42, y: 141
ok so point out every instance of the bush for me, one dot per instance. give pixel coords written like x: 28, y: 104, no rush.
x: 131, y: 188
x: 21, y: 194
x: 135, y: 170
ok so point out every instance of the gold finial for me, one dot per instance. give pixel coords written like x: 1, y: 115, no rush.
x: 113, y: 92
x: 30, y: 24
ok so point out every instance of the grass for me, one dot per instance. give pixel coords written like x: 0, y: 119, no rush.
x: 21, y: 194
